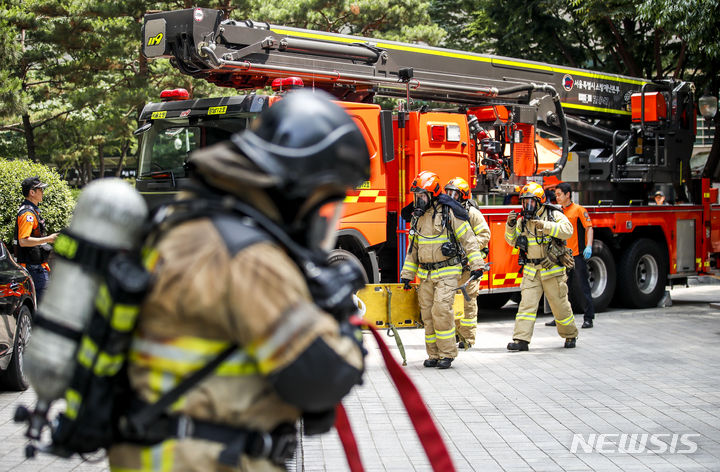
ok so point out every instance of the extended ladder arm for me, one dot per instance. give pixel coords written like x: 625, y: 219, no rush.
x: 246, y: 54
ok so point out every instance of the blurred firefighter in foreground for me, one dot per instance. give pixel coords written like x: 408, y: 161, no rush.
x: 539, y: 234
x: 439, y: 241
x: 251, y: 270
x: 459, y: 190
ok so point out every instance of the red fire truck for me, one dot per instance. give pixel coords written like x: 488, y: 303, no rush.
x: 485, y: 118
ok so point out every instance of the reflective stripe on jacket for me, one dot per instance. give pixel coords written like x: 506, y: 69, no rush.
x: 426, y: 240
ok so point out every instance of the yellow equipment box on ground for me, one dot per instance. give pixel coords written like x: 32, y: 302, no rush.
x: 389, y: 303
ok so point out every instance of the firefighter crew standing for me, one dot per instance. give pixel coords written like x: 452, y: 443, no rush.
x: 459, y: 190
x: 272, y: 197
x: 439, y: 241
x: 531, y: 233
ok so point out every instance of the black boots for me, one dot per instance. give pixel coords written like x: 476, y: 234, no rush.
x: 570, y: 343
x: 550, y: 323
x: 464, y: 345
x: 518, y: 345
x: 587, y: 324
x: 443, y: 363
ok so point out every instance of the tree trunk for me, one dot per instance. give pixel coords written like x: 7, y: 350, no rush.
x: 29, y: 137
x: 622, y: 50
x: 101, y: 160
x: 88, y: 170
x: 681, y: 60
x: 656, y: 53
x: 121, y: 161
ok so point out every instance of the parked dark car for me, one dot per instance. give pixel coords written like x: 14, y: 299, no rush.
x: 17, y: 306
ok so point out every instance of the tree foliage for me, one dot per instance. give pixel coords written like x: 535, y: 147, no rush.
x: 73, y: 80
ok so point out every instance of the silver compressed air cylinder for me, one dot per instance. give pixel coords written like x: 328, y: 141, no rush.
x: 110, y: 213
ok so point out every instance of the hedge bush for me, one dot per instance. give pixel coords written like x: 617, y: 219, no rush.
x: 57, y: 205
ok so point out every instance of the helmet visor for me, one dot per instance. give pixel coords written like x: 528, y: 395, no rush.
x: 324, y: 223
x: 455, y: 194
x: 422, y: 200
x: 529, y: 205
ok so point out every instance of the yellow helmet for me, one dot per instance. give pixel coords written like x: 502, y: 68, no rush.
x: 460, y: 185
x: 533, y: 190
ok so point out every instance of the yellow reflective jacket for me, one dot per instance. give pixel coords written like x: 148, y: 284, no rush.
x: 479, y: 226
x: 556, y: 225
x: 203, y: 299
x: 426, y: 240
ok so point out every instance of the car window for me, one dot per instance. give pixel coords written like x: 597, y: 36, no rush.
x: 5, y: 262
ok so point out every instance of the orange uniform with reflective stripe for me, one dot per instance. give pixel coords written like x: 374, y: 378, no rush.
x: 577, y: 213
x: 28, y: 226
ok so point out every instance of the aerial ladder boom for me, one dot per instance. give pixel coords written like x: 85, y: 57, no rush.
x: 626, y: 130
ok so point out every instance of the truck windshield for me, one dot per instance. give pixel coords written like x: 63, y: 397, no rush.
x: 167, y: 145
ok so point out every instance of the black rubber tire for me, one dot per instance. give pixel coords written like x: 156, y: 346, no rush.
x: 340, y: 255
x: 603, y: 275
x: 13, y: 378
x: 492, y: 301
x: 642, y: 274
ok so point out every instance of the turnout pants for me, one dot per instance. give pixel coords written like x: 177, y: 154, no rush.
x: 435, y: 297
x: 556, y: 293
x: 467, y: 323
x: 581, y: 282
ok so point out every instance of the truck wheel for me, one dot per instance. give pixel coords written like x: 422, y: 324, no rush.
x: 642, y: 274
x: 492, y: 301
x: 601, y: 268
x: 14, y: 377
x: 340, y: 255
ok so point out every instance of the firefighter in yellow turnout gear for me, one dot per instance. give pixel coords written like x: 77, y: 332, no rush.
x: 439, y: 240
x: 466, y: 325
x: 234, y: 275
x: 531, y: 233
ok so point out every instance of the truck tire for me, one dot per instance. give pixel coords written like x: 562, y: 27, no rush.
x: 340, y: 255
x: 603, y: 275
x: 642, y: 274
x: 13, y: 378
x: 492, y: 301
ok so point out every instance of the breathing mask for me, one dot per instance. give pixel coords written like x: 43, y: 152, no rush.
x: 530, y: 207
x: 323, y: 224
x: 421, y: 203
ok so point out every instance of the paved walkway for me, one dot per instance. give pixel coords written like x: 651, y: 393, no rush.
x: 640, y: 372
x: 652, y: 373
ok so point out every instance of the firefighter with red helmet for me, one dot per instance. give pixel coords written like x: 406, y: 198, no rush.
x: 459, y: 190
x: 245, y: 272
x: 536, y: 233
x: 439, y: 241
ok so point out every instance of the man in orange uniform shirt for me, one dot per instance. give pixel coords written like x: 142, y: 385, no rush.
x: 30, y: 235
x: 582, y: 232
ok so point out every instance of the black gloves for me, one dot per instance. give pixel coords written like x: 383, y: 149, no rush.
x: 318, y: 422
x: 476, y: 273
x: 406, y: 284
x: 512, y: 219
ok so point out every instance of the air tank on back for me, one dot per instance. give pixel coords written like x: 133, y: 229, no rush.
x: 109, y: 213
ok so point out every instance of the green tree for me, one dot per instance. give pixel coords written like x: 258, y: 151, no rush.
x: 74, y: 81
x: 398, y: 20
x: 695, y: 25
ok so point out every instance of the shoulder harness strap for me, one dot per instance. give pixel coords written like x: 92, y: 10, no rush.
x: 238, y: 233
